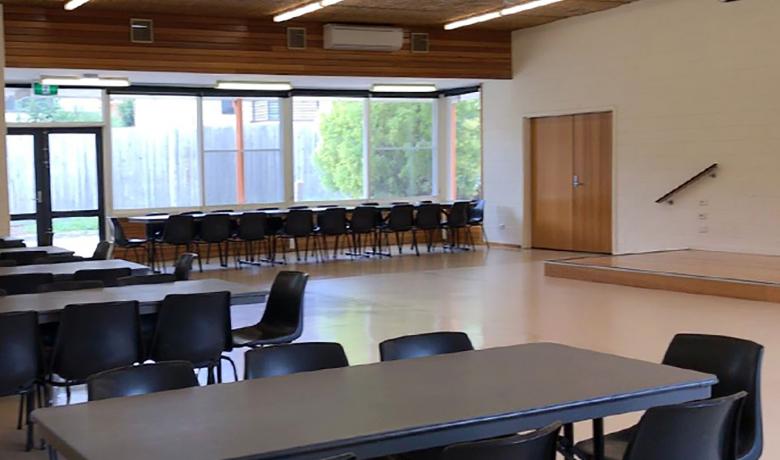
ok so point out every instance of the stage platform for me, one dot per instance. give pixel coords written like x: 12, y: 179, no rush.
x: 726, y: 274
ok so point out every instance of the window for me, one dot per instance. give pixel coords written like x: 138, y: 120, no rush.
x: 242, y: 151
x: 155, y: 160
x: 401, y: 155
x: 68, y: 106
x: 466, y: 151
x: 328, y: 148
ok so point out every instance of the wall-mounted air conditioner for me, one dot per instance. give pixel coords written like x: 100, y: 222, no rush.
x: 363, y: 38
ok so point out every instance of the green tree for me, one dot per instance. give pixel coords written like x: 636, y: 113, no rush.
x: 468, y: 166
x: 42, y: 109
x: 340, y: 155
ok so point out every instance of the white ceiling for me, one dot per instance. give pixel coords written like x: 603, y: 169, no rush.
x: 16, y: 75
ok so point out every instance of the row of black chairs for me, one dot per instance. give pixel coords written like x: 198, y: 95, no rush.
x: 30, y: 283
x: 251, y: 229
x: 727, y: 426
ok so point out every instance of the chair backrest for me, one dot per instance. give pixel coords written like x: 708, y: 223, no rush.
x: 179, y: 229
x: 120, y: 238
x: 57, y: 259
x: 428, y: 216
x: 20, y: 351
x: 215, y: 228
x: 157, y: 278
x: 102, y: 251
x: 96, y: 337
x: 192, y: 327
x: 737, y: 363
x: 183, y: 266
x: 284, y: 309
x: 252, y: 226
x: 293, y: 358
x: 299, y: 222
x: 70, y: 285
x: 477, y: 212
x: 537, y: 445
x: 107, y: 275
x: 7, y: 263
x: 458, y: 215
x: 333, y: 221
x: 697, y: 430
x: 23, y: 257
x: 26, y: 283
x: 12, y: 244
x: 141, y: 380
x: 364, y: 219
x: 298, y: 207
x: 421, y: 345
x: 401, y: 217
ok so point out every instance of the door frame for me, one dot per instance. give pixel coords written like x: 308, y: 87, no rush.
x: 527, y: 155
x: 44, y: 214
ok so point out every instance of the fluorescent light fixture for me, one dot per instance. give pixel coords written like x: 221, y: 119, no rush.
x: 497, y: 14
x: 73, y: 4
x: 305, y: 9
x: 254, y: 86
x: 85, y: 81
x: 393, y: 88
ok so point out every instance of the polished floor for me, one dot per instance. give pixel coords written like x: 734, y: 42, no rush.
x: 499, y: 297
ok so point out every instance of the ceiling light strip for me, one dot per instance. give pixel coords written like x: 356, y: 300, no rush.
x: 254, y: 86
x: 73, y: 4
x: 497, y: 14
x: 399, y: 88
x: 86, y: 81
x: 306, y: 9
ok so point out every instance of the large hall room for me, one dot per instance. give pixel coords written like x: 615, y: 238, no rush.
x: 389, y: 230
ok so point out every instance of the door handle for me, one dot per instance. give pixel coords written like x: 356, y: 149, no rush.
x: 39, y: 197
x: 576, y: 182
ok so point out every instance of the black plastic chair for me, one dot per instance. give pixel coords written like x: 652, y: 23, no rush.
x: 23, y: 257
x: 93, y: 338
x: 183, y: 266
x: 457, y: 223
x: 429, y: 221
x: 293, y: 358
x: 299, y: 224
x: 107, y: 275
x: 697, y: 430
x: 141, y: 380
x: 26, y: 283
x: 157, y: 278
x: 194, y: 328
x: 70, y: 285
x: 399, y: 222
x: 737, y: 364
x: 332, y: 222
x: 477, y: 219
x: 422, y: 345
x: 102, y: 251
x: 21, y: 366
x: 282, y: 320
x: 364, y: 222
x: 252, y: 227
x: 122, y: 241
x: 180, y: 232
x: 537, y: 445
x: 215, y: 229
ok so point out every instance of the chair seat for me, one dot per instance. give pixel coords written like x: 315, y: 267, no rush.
x: 134, y: 242
x: 615, y: 445
x: 254, y: 336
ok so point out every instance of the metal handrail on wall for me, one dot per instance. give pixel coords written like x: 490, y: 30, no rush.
x: 708, y: 171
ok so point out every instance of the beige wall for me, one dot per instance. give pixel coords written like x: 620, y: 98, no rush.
x: 691, y: 82
x: 5, y: 220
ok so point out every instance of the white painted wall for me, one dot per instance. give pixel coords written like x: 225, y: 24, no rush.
x: 5, y: 218
x: 692, y: 82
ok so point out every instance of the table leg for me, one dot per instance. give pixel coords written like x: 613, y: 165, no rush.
x: 598, y: 438
x: 566, y: 445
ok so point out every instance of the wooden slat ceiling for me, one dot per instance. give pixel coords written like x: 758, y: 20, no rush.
x: 432, y: 13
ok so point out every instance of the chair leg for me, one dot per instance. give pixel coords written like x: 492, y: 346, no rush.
x: 21, y: 411
x: 398, y: 242
x: 30, y: 396
x: 414, y: 243
x: 233, y: 365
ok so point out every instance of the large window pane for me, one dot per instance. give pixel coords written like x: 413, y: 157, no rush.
x: 20, y: 150
x: 468, y: 146
x: 73, y: 171
x: 242, y: 144
x: 79, y: 234
x: 155, y: 160
x: 69, y: 105
x: 328, y: 148
x: 401, y: 161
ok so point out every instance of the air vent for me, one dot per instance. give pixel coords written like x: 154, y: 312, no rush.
x: 420, y: 43
x: 141, y: 31
x: 296, y: 38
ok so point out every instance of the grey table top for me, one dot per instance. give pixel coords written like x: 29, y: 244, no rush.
x: 48, y: 305
x: 370, y: 410
x: 52, y: 250
x: 72, y: 267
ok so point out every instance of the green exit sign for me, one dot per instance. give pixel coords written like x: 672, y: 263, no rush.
x: 45, y: 90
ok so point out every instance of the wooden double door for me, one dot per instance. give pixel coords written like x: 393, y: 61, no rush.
x: 571, y: 182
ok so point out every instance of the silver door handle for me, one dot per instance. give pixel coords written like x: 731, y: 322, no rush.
x: 576, y: 181
x: 39, y: 197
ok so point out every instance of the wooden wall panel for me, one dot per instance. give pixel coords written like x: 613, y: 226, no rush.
x: 94, y: 39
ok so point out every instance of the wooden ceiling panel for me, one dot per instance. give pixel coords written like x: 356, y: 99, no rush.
x: 430, y: 13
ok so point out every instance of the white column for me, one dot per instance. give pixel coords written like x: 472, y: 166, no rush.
x: 5, y: 217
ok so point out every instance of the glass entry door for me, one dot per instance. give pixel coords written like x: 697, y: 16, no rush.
x: 55, y: 187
